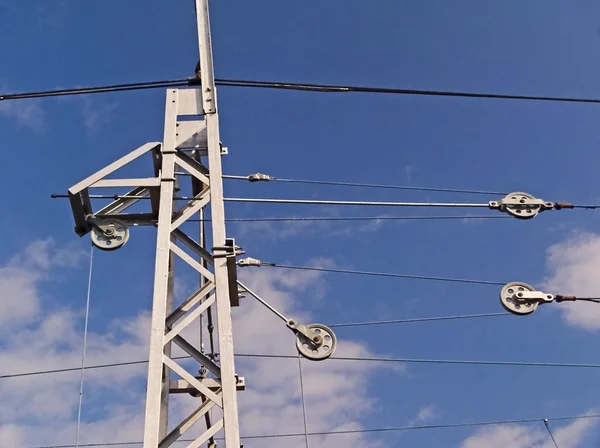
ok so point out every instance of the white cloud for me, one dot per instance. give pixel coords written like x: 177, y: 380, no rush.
x: 278, y: 231
x: 573, y: 267
x: 528, y: 436
x: 26, y: 112
x: 41, y: 410
x: 95, y: 114
x: 426, y: 414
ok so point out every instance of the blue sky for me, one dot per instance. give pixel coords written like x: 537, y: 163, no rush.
x: 549, y: 150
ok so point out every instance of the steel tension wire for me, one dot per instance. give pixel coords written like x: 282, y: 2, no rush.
x: 321, y: 202
x: 83, y: 352
x: 352, y: 203
x: 266, y: 178
x: 382, y: 274
x: 550, y: 433
x: 257, y: 297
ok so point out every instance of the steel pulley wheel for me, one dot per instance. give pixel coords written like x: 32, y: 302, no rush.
x: 513, y: 306
x: 521, y: 211
x: 111, y: 235
x: 317, y: 352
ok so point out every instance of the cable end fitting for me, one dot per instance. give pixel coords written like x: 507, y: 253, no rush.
x: 565, y: 298
x: 561, y: 205
x: 259, y: 177
x: 249, y: 261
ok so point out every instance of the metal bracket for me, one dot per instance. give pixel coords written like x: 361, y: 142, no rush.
x: 230, y: 251
x: 521, y: 205
x: 297, y: 327
x: 533, y: 296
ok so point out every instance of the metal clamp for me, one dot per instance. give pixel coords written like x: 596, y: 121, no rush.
x: 108, y: 233
x: 521, y: 205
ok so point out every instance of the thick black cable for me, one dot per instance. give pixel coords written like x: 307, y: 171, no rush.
x: 292, y: 86
x: 358, y: 431
x: 382, y: 274
x: 101, y: 89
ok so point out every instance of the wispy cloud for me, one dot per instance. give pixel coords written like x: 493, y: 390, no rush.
x: 573, y: 267
x: 528, y: 436
x: 426, y: 414
x: 26, y: 112
x: 96, y: 114
x: 278, y: 231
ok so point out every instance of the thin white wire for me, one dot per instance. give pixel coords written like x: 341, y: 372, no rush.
x: 302, y: 398
x: 85, y: 332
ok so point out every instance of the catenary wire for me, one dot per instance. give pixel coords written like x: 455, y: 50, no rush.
x: 382, y: 274
x: 416, y: 319
x: 434, y: 361
x: 336, y: 358
x: 365, y: 185
x: 292, y: 86
x: 312, y: 201
x: 353, y: 203
x: 85, y: 334
x: 359, y: 431
x: 359, y: 218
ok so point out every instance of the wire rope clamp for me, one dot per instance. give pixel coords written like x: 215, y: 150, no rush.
x: 521, y: 205
x: 314, y: 341
x: 108, y: 233
x: 522, y: 299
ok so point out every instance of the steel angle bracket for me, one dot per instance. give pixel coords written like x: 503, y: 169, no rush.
x: 230, y: 251
x: 81, y: 203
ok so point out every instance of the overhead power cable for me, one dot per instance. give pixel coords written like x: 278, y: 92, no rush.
x: 323, y: 88
x: 359, y: 431
x: 417, y: 319
x: 557, y: 206
x: 355, y: 203
x: 258, y: 263
x: 258, y: 177
x: 336, y: 358
x: 434, y: 361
